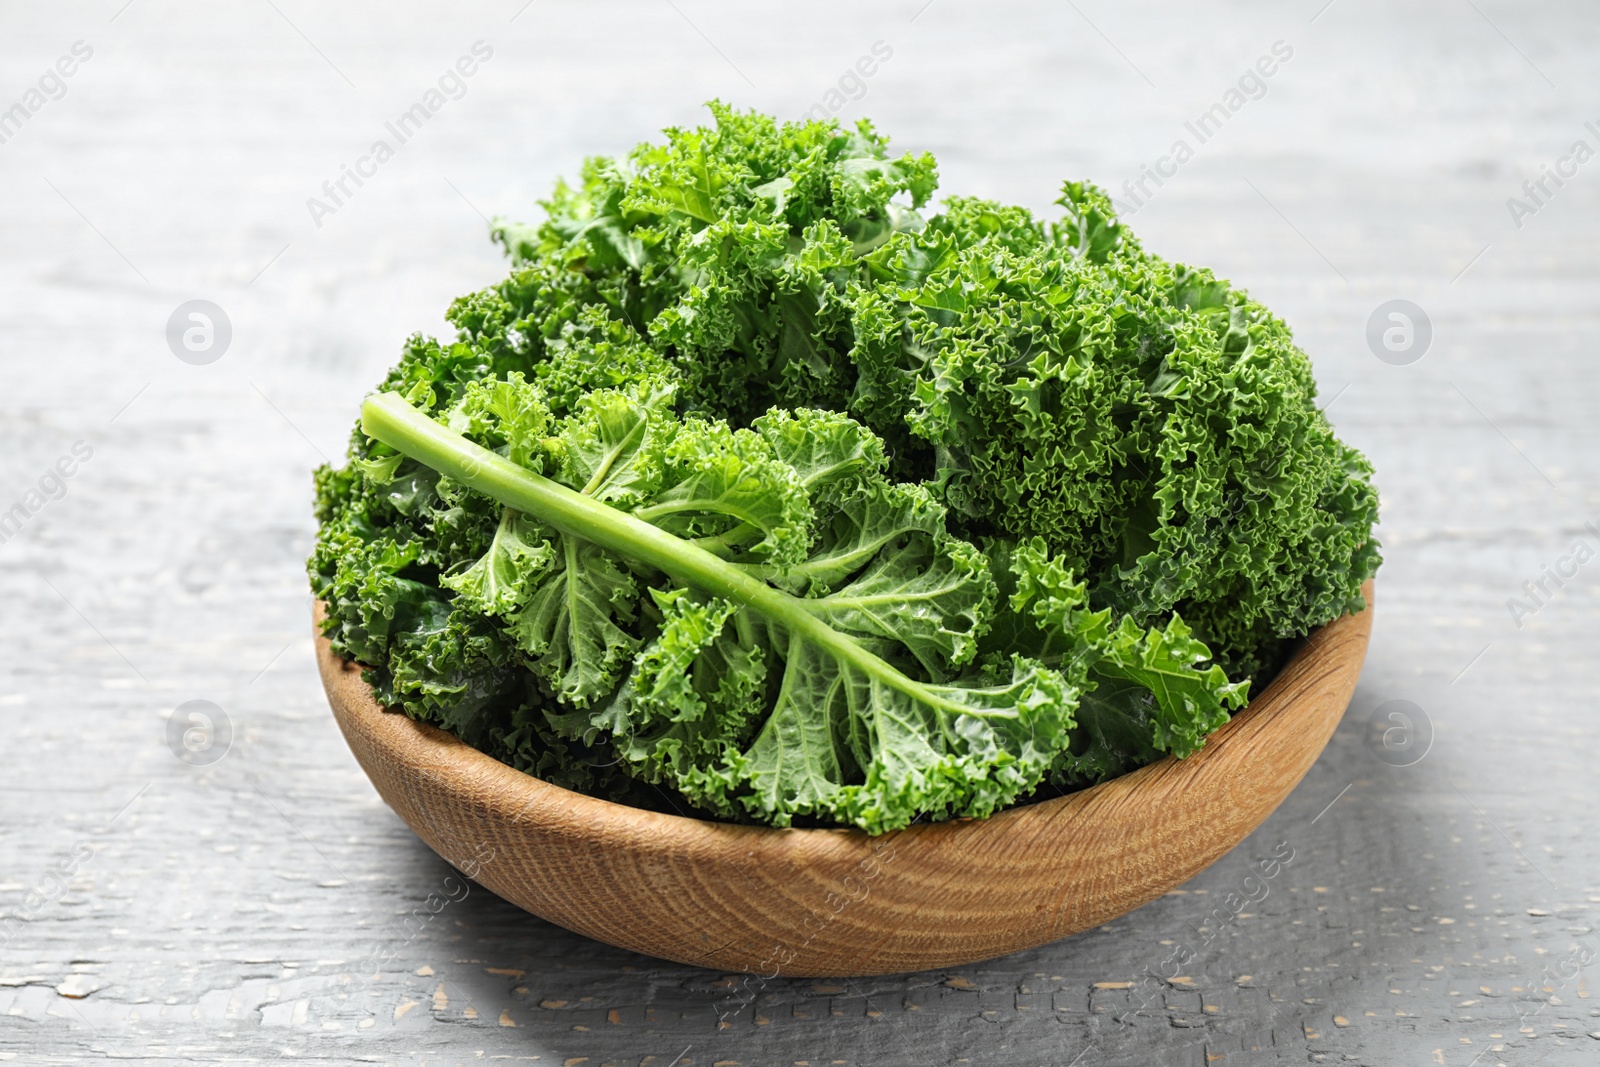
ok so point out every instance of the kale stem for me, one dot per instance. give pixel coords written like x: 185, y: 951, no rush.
x: 387, y: 417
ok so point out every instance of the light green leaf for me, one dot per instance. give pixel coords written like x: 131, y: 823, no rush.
x: 611, y: 448
x: 931, y: 595
x: 569, y: 625
x: 502, y: 578
x: 726, y: 480
x: 824, y: 448
x: 962, y: 749
x: 866, y: 521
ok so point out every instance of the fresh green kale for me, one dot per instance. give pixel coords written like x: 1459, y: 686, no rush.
x: 859, y: 702
x: 804, y: 502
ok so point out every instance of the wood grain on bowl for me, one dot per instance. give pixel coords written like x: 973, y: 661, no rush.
x: 837, y: 902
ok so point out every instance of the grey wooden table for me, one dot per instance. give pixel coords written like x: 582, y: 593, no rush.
x: 1440, y: 904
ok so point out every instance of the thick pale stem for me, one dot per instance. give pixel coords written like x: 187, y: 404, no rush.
x: 387, y: 417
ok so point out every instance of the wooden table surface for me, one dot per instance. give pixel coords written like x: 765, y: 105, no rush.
x: 1440, y: 903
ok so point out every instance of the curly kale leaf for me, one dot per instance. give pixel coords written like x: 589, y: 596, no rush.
x: 1152, y: 690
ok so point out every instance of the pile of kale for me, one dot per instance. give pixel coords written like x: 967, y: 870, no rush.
x: 1025, y: 506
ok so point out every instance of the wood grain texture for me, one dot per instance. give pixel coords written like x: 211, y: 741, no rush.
x: 829, y: 903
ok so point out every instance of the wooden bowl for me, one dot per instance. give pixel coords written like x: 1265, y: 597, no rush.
x: 809, y: 903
